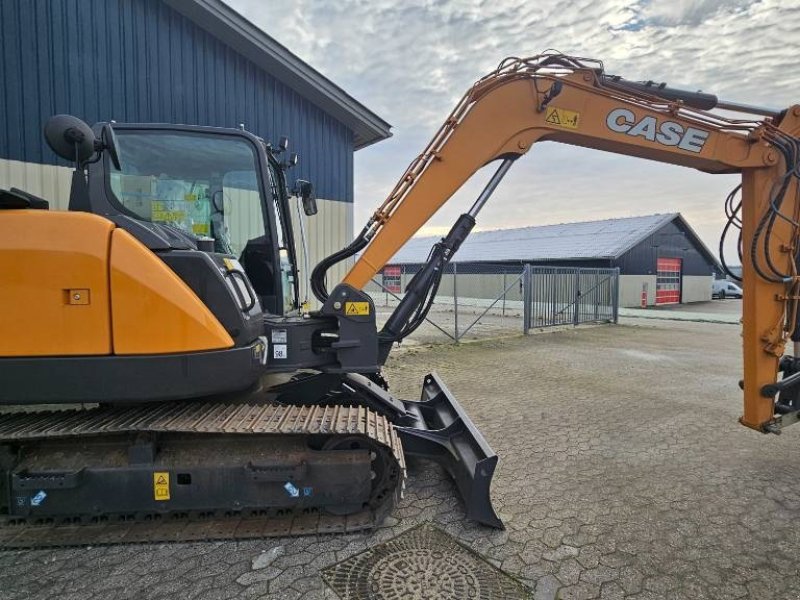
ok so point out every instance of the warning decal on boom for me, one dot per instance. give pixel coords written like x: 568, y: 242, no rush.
x: 356, y: 308
x: 561, y: 117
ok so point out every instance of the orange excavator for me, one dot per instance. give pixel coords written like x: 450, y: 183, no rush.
x: 211, y: 405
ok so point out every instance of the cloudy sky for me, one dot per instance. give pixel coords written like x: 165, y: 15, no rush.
x: 410, y: 62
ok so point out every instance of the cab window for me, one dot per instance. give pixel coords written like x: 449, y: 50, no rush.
x: 205, y: 185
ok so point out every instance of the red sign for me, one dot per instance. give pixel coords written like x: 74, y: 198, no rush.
x: 391, y: 279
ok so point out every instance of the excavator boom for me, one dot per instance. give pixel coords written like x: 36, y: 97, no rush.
x: 552, y: 97
x: 518, y: 105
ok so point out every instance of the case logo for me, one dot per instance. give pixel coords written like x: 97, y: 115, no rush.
x: 666, y: 133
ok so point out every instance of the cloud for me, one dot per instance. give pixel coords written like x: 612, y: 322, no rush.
x: 411, y: 61
x: 680, y: 12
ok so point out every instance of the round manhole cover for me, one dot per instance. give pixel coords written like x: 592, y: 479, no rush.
x: 423, y: 562
x: 415, y: 573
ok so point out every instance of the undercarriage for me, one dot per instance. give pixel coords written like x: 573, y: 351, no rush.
x: 221, y: 470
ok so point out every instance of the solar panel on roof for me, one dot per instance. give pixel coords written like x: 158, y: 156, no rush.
x: 584, y: 240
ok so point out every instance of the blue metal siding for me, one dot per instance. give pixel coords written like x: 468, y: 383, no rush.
x: 140, y: 61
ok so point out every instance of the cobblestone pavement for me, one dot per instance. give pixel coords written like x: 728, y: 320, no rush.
x: 623, y: 473
x: 730, y: 306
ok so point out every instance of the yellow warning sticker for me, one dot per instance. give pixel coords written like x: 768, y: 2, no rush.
x: 562, y: 117
x: 161, y: 485
x: 167, y: 216
x: 356, y: 308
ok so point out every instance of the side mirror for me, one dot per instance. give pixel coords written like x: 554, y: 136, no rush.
x: 283, y: 144
x: 70, y: 138
x: 305, y: 190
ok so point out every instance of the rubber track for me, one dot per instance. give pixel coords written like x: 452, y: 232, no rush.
x: 206, y: 418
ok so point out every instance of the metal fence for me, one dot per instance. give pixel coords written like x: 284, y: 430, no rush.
x: 488, y: 299
x: 570, y: 296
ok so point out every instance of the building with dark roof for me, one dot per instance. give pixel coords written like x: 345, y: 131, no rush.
x: 660, y: 258
x: 194, y: 62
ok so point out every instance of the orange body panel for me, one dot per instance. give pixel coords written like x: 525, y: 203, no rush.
x: 154, y: 311
x: 73, y: 284
x: 55, y: 296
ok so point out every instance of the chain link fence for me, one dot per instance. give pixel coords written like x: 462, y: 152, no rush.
x: 479, y: 300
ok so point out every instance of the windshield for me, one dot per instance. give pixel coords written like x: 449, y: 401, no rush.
x: 206, y: 185
x: 184, y: 180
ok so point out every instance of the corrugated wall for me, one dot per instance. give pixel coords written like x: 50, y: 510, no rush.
x: 50, y: 182
x: 325, y: 230
x: 669, y: 241
x: 140, y: 61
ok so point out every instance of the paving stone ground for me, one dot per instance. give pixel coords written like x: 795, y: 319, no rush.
x: 623, y: 474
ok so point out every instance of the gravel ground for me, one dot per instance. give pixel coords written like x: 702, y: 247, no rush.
x: 623, y: 473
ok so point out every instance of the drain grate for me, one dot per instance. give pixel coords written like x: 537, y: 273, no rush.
x: 422, y: 563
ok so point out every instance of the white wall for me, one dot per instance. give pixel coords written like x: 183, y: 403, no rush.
x: 696, y: 288
x: 630, y: 290
x: 47, y: 181
x: 329, y: 230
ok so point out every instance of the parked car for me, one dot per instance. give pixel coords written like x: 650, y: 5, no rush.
x: 722, y: 288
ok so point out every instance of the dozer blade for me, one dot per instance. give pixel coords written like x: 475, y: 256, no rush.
x: 442, y: 431
x: 436, y: 428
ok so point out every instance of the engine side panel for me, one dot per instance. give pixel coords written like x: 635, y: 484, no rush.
x: 55, y: 298
x: 153, y: 310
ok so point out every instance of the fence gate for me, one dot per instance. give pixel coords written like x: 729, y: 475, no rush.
x: 569, y: 296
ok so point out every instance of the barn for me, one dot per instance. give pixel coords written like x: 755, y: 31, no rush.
x: 194, y: 62
x: 661, y: 260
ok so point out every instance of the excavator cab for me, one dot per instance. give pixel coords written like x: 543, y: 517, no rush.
x: 194, y: 223
x: 221, y: 189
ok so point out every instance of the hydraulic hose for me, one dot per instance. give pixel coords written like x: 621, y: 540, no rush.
x: 318, y: 275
